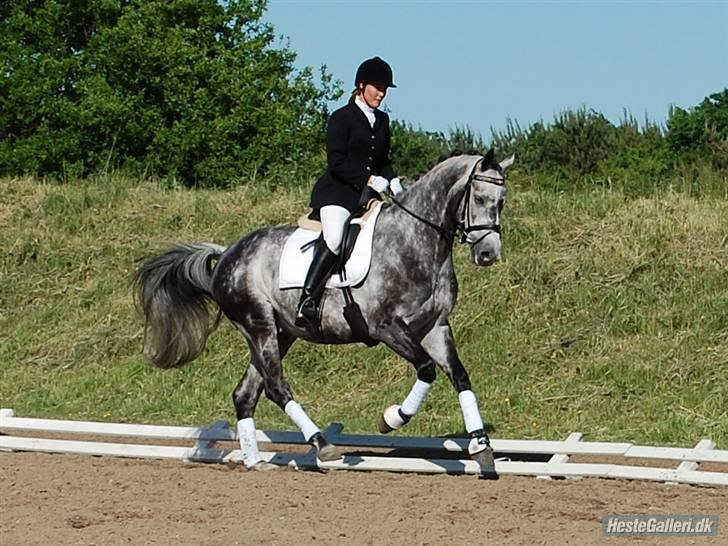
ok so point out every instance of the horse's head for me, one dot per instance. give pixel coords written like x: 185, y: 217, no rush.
x: 483, y: 202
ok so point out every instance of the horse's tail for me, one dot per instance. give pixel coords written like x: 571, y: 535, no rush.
x: 174, y: 291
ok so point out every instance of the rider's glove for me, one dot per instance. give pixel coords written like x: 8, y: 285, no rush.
x: 395, y: 186
x: 379, y: 183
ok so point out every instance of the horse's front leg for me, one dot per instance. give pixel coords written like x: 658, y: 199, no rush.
x: 440, y: 345
x: 400, y: 338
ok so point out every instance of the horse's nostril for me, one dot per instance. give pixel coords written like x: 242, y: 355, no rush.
x: 485, y: 255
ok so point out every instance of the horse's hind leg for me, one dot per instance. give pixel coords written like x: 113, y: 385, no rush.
x: 245, y: 398
x: 267, y: 349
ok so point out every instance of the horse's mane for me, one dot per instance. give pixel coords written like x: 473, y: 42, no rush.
x: 432, y: 167
x: 444, y: 157
x: 434, y: 170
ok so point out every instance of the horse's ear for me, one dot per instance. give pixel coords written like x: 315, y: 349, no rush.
x: 487, y: 160
x: 507, y: 162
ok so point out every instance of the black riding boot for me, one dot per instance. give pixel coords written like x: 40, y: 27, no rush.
x: 321, y: 266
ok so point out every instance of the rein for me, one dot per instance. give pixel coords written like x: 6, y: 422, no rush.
x: 463, y: 224
x: 441, y: 230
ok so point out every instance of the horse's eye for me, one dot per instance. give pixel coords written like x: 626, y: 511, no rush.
x: 479, y: 201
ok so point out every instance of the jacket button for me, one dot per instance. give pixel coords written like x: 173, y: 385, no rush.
x: 372, y: 147
x: 372, y: 137
x: 369, y: 168
x: 370, y: 158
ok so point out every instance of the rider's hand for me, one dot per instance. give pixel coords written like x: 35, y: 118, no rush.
x: 378, y: 183
x: 395, y: 186
x: 368, y: 194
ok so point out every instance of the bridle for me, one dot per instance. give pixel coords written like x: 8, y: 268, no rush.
x: 463, y: 224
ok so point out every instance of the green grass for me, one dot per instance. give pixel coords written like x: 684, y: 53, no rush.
x: 609, y: 315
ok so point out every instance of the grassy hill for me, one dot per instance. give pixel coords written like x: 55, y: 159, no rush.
x: 609, y: 315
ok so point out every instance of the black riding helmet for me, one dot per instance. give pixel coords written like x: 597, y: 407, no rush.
x: 374, y: 70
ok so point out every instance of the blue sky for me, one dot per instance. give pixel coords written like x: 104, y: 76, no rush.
x: 478, y: 62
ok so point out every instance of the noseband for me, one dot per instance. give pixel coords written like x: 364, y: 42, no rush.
x: 463, y: 224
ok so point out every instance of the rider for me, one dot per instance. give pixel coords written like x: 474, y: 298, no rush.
x: 357, y: 148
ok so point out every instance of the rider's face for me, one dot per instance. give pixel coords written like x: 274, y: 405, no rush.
x: 373, y: 94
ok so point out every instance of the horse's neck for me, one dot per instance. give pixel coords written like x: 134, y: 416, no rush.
x: 437, y: 196
x: 434, y: 199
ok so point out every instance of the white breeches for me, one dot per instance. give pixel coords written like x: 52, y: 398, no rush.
x: 333, y: 218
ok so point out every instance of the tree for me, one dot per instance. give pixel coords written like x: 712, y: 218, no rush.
x: 414, y: 151
x: 191, y: 89
x: 701, y: 132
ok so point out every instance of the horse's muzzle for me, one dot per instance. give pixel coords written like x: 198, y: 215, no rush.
x: 484, y: 258
x: 487, y: 251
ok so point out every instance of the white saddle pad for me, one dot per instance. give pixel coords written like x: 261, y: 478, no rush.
x: 294, y: 264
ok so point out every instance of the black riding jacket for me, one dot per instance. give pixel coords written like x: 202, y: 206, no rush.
x: 355, y: 151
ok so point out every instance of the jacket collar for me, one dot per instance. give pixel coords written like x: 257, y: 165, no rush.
x: 378, y: 116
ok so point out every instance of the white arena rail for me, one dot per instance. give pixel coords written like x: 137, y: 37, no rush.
x: 435, y: 455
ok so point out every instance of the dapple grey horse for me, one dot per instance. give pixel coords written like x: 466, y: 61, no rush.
x: 406, y: 299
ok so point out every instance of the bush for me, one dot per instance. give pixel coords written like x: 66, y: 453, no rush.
x: 573, y: 145
x: 583, y: 147
x: 415, y: 151
x: 637, y: 158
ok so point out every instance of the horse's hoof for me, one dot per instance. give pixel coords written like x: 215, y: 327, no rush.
x: 384, y: 428
x: 263, y: 466
x: 486, y: 461
x: 325, y: 450
x: 329, y: 452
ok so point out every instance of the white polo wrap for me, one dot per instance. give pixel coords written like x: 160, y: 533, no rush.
x: 248, y: 442
x: 303, y: 421
x: 417, y: 395
x: 471, y: 414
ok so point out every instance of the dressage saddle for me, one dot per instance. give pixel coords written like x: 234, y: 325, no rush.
x: 352, y: 311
